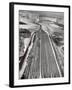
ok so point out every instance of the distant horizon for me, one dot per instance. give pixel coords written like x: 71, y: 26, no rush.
x: 45, y: 13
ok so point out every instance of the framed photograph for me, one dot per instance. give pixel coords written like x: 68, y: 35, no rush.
x: 39, y: 40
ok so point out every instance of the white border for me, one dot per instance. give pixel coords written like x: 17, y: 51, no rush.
x: 16, y: 45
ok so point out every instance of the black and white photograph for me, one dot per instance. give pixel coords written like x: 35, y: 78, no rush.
x: 41, y: 44
x: 40, y: 40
